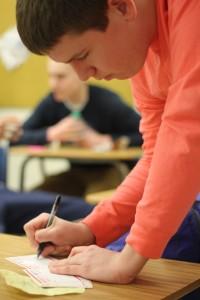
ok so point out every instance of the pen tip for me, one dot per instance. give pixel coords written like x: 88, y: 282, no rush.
x: 38, y: 253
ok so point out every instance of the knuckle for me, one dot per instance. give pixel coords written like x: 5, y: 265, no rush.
x: 43, y: 215
x: 92, y: 247
x: 26, y: 226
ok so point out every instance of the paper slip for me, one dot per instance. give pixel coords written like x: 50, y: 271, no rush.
x: 38, y: 270
x: 27, y: 285
x: 30, y: 261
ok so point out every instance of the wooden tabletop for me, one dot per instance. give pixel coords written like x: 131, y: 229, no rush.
x: 77, y: 153
x: 160, y: 279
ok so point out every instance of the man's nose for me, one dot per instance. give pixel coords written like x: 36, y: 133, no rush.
x: 53, y: 83
x: 84, y: 72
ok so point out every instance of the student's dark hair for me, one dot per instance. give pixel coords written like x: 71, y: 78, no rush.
x: 41, y: 23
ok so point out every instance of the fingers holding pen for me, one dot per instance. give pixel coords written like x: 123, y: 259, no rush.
x: 59, y: 237
x: 56, y: 251
x: 32, y: 227
x: 37, y: 232
x: 53, y: 236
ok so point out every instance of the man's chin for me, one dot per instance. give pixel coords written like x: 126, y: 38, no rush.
x: 122, y: 76
x: 57, y: 98
x: 119, y: 77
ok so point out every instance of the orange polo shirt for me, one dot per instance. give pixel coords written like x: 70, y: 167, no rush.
x: 156, y: 196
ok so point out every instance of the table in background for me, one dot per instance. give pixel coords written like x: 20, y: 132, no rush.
x: 73, y: 155
x: 159, y: 279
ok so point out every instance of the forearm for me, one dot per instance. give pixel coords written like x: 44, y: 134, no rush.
x: 84, y: 234
x: 130, y: 264
x: 118, y: 213
x: 32, y: 137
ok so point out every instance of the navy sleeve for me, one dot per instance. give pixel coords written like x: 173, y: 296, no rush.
x: 35, y: 127
x: 125, y: 122
x: 111, y: 115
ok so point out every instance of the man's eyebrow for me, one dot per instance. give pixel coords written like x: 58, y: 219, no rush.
x: 74, y: 56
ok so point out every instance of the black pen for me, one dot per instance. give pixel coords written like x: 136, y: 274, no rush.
x: 49, y: 222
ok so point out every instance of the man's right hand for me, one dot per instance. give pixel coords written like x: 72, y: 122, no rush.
x: 68, y: 129
x: 62, y: 234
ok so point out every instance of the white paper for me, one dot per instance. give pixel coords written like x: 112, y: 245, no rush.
x: 37, y: 269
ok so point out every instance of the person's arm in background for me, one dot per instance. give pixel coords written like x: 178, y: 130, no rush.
x: 124, y: 120
x: 68, y: 129
x: 110, y: 119
x: 35, y: 127
x: 50, y: 121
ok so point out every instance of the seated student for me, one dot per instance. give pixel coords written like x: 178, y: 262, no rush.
x: 17, y: 208
x: 87, y: 116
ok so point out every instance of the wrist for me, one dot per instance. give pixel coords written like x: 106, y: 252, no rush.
x: 85, y: 235
x: 50, y: 134
x: 135, y: 262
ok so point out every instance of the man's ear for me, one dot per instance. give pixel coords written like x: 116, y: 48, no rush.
x: 126, y: 8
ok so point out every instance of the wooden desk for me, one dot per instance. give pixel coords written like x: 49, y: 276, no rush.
x: 160, y: 279
x: 73, y: 155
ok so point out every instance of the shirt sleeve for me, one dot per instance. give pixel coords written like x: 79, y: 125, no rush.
x: 35, y: 127
x: 170, y: 179
x: 129, y: 121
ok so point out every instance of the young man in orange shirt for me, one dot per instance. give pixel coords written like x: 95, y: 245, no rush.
x: 157, y: 44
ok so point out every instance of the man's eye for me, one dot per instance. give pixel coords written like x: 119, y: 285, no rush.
x: 82, y: 57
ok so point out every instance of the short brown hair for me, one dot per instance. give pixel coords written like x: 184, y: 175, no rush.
x: 41, y: 23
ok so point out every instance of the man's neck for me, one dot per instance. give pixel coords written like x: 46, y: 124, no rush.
x: 80, y: 98
x: 147, y: 9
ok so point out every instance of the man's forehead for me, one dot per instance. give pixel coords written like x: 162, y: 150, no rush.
x: 72, y: 45
x: 67, y: 46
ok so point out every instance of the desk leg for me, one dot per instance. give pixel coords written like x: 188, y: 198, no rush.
x: 122, y: 168
x: 22, y: 173
x: 42, y: 167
